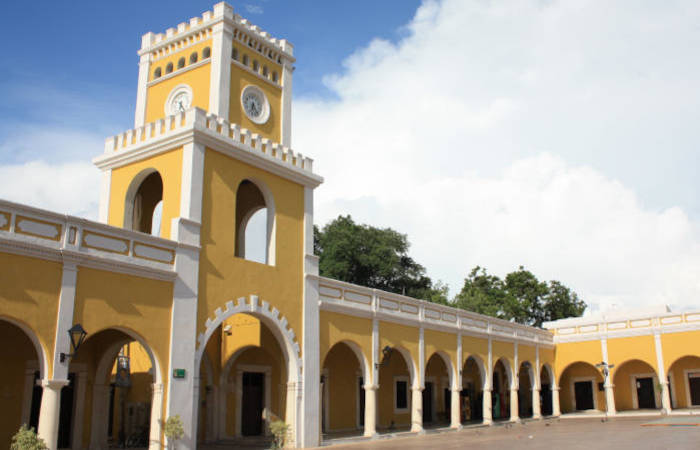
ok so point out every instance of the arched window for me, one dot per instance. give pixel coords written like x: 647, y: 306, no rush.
x: 274, y: 77
x: 265, y: 71
x: 169, y: 68
x: 256, y: 66
x: 181, y: 63
x: 156, y: 73
x: 144, y: 204
x: 193, y: 58
x: 255, y: 224
x: 234, y: 53
x: 206, y: 53
x: 245, y: 60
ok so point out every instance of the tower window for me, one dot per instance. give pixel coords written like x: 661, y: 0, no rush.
x: 206, y: 53
x: 255, y: 219
x: 145, y: 205
x: 234, y: 53
x: 245, y: 60
x: 265, y: 71
x: 193, y: 58
x: 256, y: 66
x: 181, y: 63
x: 274, y: 76
x: 169, y: 68
x: 157, y: 73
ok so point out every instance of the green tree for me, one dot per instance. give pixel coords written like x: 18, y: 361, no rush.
x: 373, y: 257
x: 520, y: 297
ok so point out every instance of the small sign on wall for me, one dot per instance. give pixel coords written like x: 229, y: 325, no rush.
x: 178, y: 373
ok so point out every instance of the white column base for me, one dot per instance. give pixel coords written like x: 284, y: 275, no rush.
x: 514, y: 412
x: 370, y: 410
x: 456, y: 421
x: 610, y: 400
x: 487, y: 412
x: 50, y: 411
x: 665, y: 398
x: 556, y: 408
x: 417, y: 410
x: 536, y: 407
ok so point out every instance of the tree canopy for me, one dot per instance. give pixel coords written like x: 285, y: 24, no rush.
x: 378, y: 258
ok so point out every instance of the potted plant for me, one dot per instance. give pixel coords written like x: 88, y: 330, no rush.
x: 280, y: 431
x: 173, y: 430
x: 26, y: 439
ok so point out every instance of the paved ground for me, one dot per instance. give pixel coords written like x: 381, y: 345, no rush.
x: 589, y: 434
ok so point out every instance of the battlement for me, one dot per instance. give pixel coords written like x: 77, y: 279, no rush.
x: 161, y: 44
x: 240, y: 142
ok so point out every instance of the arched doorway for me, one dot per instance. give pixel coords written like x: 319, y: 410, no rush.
x: 526, y: 384
x: 472, y: 395
x: 255, y: 361
x: 116, y: 393
x: 255, y: 222
x: 23, y: 366
x: 636, y: 386
x: 437, y: 392
x: 684, y: 382
x: 546, y: 387
x: 394, y: 396
x: 500, y: 393
x: 581, y: 387
x: 143, y: 210
x: 343, y: 377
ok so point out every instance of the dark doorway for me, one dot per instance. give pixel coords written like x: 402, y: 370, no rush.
x: 448, y: 404
x: 252, y: 403
x: 694, y: 384
x: 645, y: 393
x: 583, y: 391
x: 428, y: 403
x: 65, y: 419
x: 37, y: 392
x: 361, y: 412
x: 546, y: 399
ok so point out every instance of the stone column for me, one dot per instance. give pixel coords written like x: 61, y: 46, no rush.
x: 514, y: 413
x: 455, y: 409
x: 156, y: 417
x: 536, y: 408
x: 556, y: 409
x: 50, y: 411
x: 665, y: 397
x: 488, y: 417
x: 609, y: 397
x: 371, y: 409
x: 416, y: 409
x: 290, y: 413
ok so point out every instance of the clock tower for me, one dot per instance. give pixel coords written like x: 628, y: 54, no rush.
x: 223, y: 64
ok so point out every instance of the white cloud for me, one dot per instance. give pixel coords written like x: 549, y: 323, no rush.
x: 556, y: 135
x: 253, y: 9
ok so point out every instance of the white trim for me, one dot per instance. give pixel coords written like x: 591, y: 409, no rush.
x: 256, y: 74
x: 635, y: 393
x: 686, y: 378
x: 177, y: 72
x: 594, y: 391
x: 66, y: 305
x: 192, y: 187
x: 41, y: 353
x: 220, y: 78
x: 267, y: 372
x: 286, y: 115
x: 105, y: 191
x: 407, y: 409
x: 145, y: 61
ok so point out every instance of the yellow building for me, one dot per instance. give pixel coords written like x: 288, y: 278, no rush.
x: 182, y: 321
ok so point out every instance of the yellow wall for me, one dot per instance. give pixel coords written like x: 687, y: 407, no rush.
x: 569, y: 353
x: 438, y: 341
x: 624, y: 392
x: 342, y: 370
x: 169, y: 165
x: 473, y: 346
x: 397, y: 366
x: 505, y: 350
x: 224, y: 277
x: 623, y: 349
x: 198, y: 79
x: 239, y: 80
x: 29, y: 291
x: 678, y: 345
x: 336, y: 327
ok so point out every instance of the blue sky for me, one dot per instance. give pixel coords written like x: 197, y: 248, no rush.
x: 559, y: 135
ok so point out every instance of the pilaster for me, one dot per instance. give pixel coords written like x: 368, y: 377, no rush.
x: 66, y: 306
x: 556, y: 407
x: 609, y: 388
x: 144, y: 71
x: 221, y: 48
x: 286, y: 118
x: 663, y: 379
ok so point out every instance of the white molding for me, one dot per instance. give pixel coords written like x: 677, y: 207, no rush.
x: 177, y: 72
x: 220, y: 78
x: 594, y: 391
x: 66, y: 305
x: 144, y: 73
x: 395, y: 397
x: 192, y: 186
x: 105, y: 192
x: 635, y: 393
x: 258, y: 75
x: 666, y: 329
x: 286, y: 114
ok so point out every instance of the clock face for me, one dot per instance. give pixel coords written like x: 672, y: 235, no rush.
x: 255, y: 104
x: 180, y: 102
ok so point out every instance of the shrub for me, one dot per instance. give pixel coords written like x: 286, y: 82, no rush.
x: 173, y: 429
x: 280, y: 431
x: 26, y: 439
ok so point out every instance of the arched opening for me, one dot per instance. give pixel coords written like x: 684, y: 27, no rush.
x: 244, y: 377
x: 265, y: 71
x: 234, y: 54
x: 500, y: 393
x: 256, y: 66
x: 193, y: 58
x: 116, y: 393
x: 157, y: 73
x: 546, y: 380
x: 396, y: 378
x: 636, y: 386
x: 22, y: 369
x: 143, y: 210
x: 684, y: 382
x: 245, y: 59
x: 255, y: 223
x: 181, y: 63
x: 581, y: 388
x: 342, y: 389
x: 437, y: 393
x: 169, y: 68
x: 206, y: 53
x: 472, y: 395
x: 274, y: 77
x: 526, y: 379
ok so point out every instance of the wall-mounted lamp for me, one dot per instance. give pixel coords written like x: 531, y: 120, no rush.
x: 123, y: 377
x: 77, y: 336
x: 227, y: 330
x: 386, y: 354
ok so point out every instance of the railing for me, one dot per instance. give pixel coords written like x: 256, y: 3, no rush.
x: 46, y: 232
x: 363, y: 301
x: 582, y: 327
x: 197, y: 119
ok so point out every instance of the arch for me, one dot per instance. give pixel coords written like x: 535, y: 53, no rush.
x: 546, y: 368
x: 481, y: 366
x: 206, y: 52
x: 256, y: 65
x: 526, y: 407
x: 684, y: 382
x: 181, y: 63
x: 447, y: 361
x: 169, y: 68
x: 410, y: 365
x: 274, y: 76
x: 546, y: 396
x: 245, y: 59
x: 193, y: 57
x: 142, y: 198
x: 157, y: 73
x: 253, y: 195
x: 265, y: 71
x: 584, y: 373
x: 234, y: 53
x: 357, y: 350
x: 636, y: 386
x: 41, y: 353
x: 508, y: 370
x: 530, y: 372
